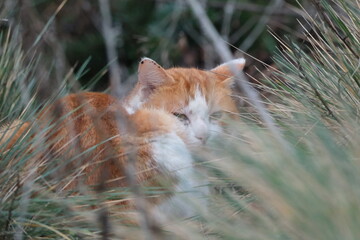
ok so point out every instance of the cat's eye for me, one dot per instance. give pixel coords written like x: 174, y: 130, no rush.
x: 181, y: 117
x: 216, y: 115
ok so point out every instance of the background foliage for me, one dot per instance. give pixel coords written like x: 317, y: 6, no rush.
x: 163, y: 30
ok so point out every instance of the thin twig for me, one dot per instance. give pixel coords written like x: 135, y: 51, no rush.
x: 246, y: 26
x: 228, y: 13
x: 251, y: 38
x: 110, y: 34
x: 225, y: 54
x: 149, y: 227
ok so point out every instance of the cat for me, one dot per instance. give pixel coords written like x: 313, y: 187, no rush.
x: 168, y: 112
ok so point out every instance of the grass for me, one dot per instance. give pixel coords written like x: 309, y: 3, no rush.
x: 308, y: 190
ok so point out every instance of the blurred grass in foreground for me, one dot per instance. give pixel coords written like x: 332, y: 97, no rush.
x: 308, y: 189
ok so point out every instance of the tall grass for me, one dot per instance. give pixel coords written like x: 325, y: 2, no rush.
x: 308, y: 190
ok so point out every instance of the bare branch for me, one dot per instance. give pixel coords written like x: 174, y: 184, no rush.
x: 228, y: 13
x: 147, y: 223
x: 251, y: 38
x: 110, y: 34
x: 225, y: 55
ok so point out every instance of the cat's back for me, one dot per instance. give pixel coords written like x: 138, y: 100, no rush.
x: 71, y: 102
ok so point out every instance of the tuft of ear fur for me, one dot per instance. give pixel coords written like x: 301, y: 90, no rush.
x: 227, y: 70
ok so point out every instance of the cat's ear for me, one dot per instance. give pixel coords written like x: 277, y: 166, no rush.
x: 226, y: 71
x: 151, y: 75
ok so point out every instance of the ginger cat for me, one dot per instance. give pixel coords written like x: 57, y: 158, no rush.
x: 168, y: 112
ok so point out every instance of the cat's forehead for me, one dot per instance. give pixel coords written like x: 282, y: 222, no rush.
x: 197, y: 104
x: 189, y: 74
x: 196, y: 89
x: 192, y: 81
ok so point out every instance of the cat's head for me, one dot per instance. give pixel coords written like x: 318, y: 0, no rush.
x: 198, y: 99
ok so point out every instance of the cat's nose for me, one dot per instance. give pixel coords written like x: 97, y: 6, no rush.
x: 201, y: 131
x: 203, y: 138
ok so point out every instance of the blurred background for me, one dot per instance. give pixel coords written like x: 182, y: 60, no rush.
x: 164, y: 30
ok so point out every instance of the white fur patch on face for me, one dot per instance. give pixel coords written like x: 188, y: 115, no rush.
x: 200, y: 128
x: 198, y: 105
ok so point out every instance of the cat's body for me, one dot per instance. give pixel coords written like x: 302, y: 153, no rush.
x: 167, y: 113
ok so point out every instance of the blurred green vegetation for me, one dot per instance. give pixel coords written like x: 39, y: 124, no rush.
x: 160, y: 29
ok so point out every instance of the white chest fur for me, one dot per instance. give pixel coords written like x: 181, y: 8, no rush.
x: 191, y: 189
